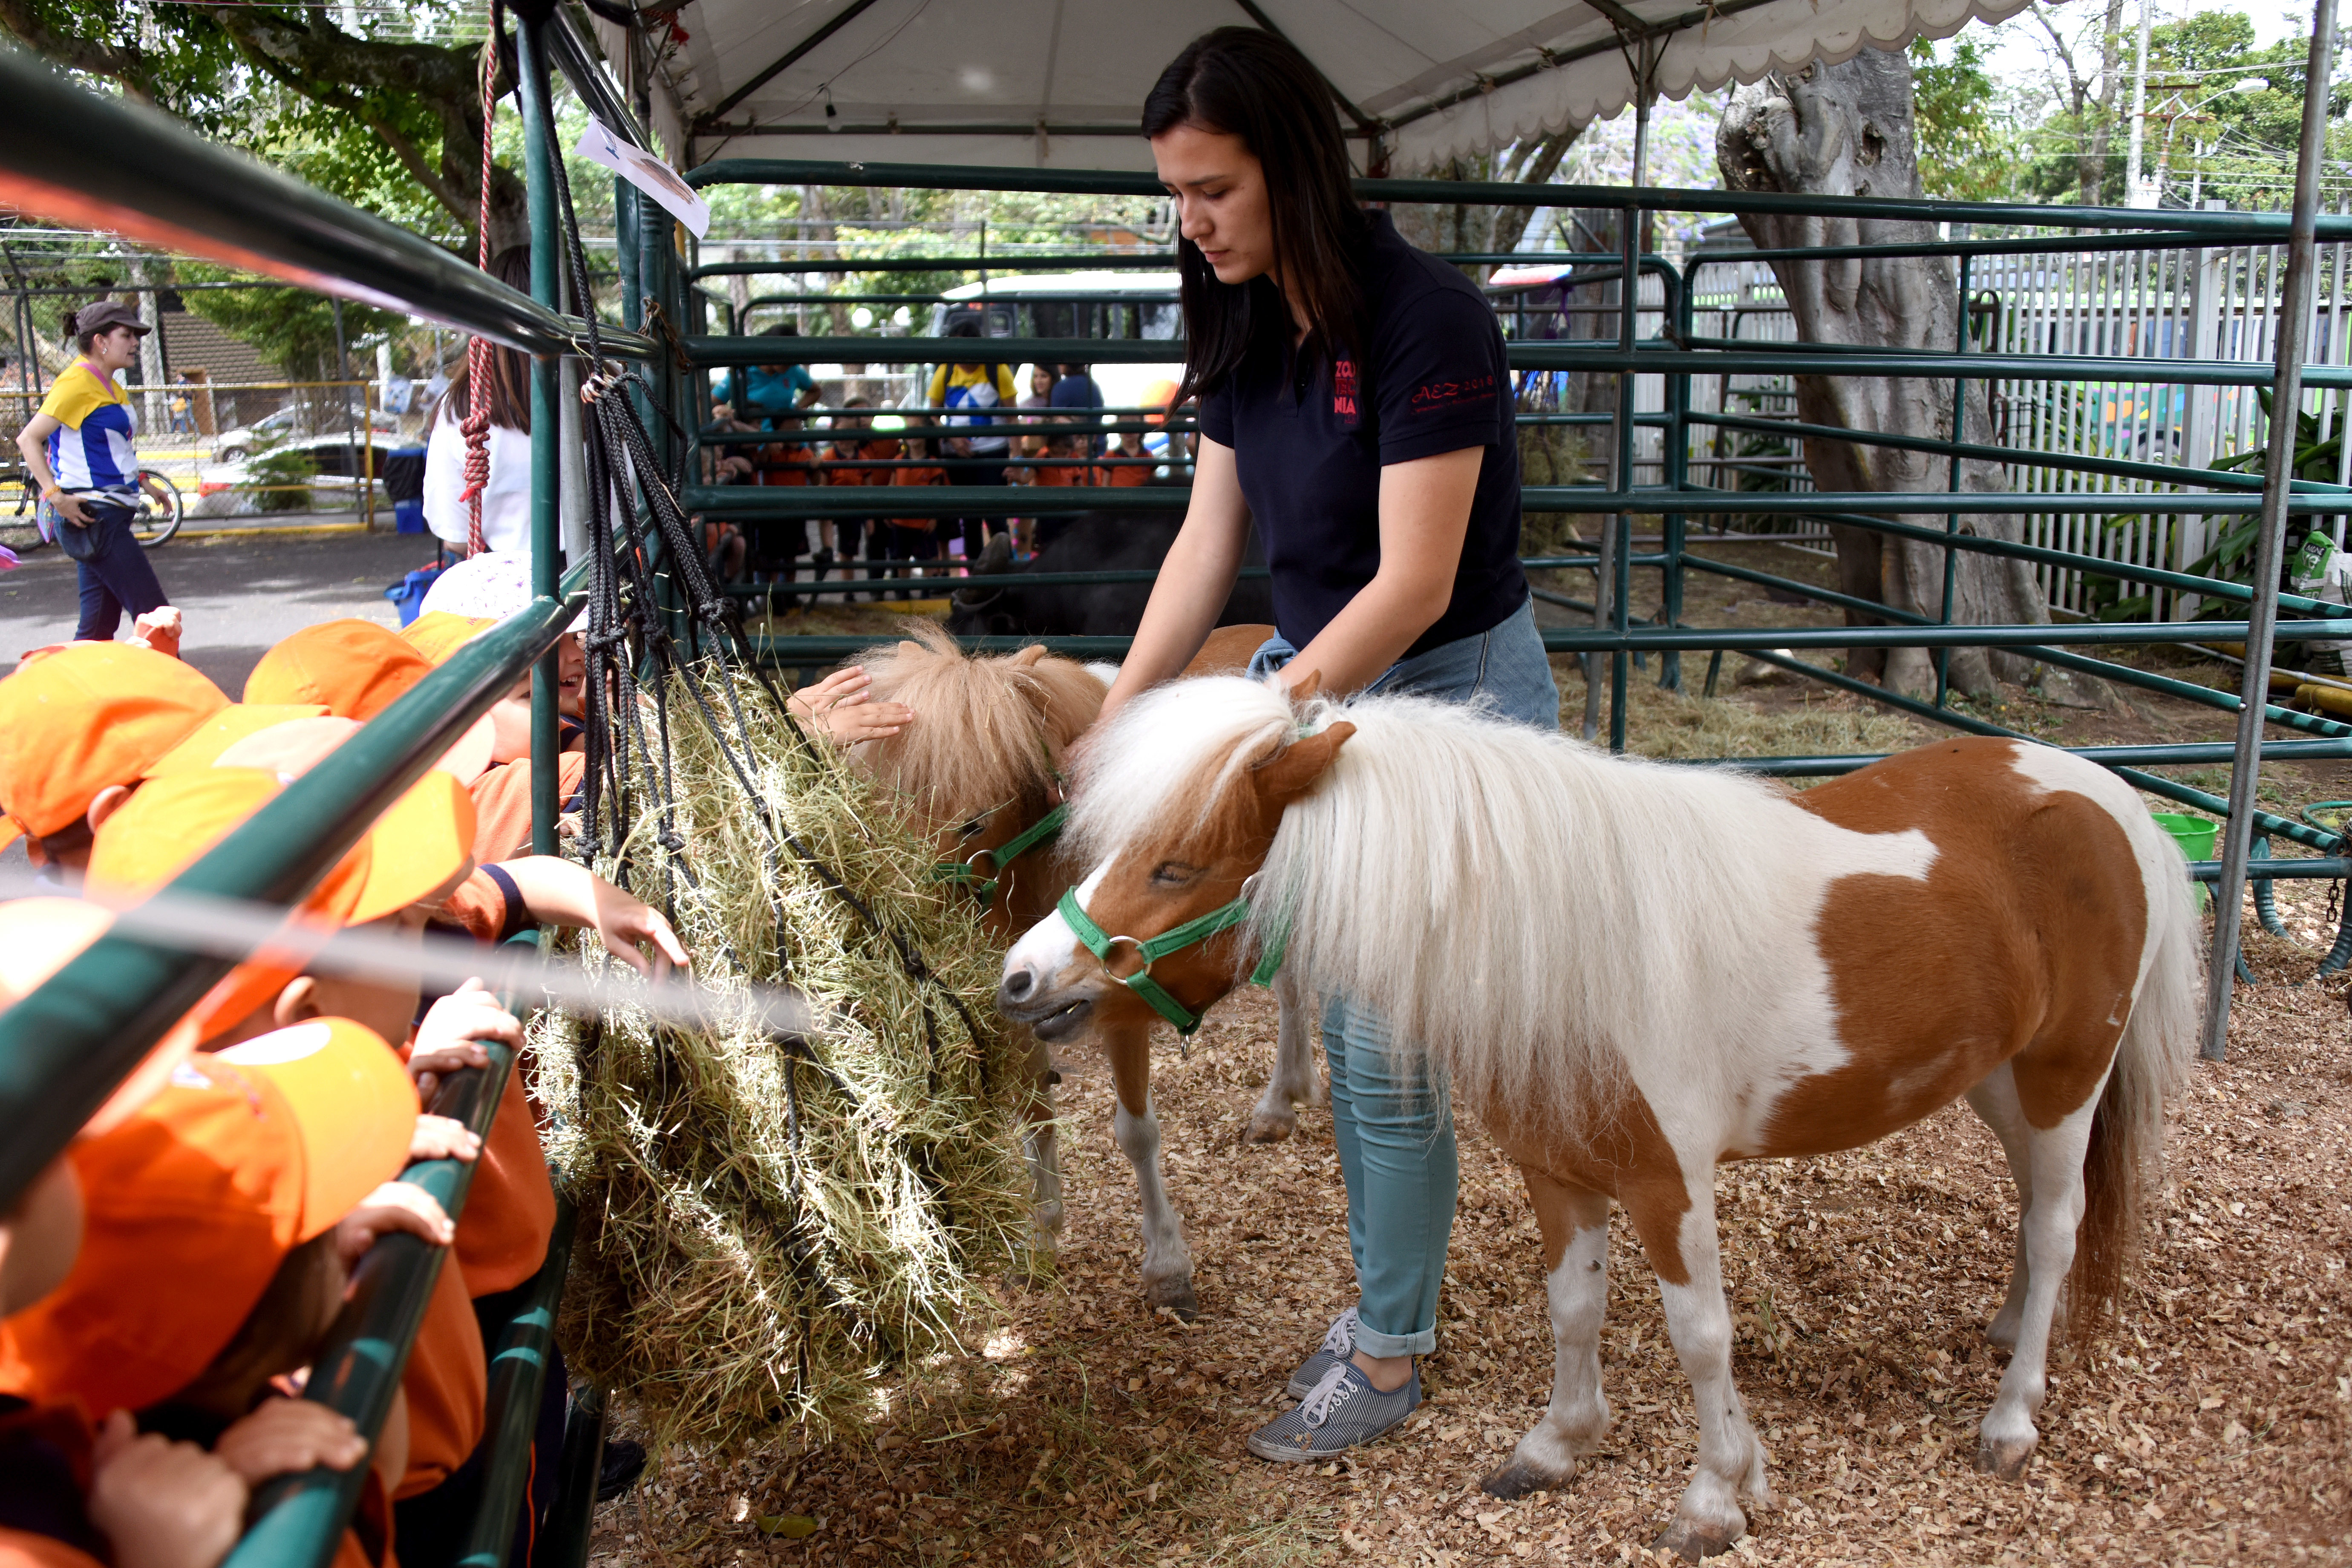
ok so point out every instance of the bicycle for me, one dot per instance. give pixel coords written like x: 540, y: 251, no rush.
x: 155, y: 522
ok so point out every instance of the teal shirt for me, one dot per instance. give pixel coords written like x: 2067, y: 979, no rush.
x: 760, y: 394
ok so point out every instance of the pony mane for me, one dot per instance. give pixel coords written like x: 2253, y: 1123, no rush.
x: 1522, y: 903
x: 1159, y: 765
x: 989, y: 730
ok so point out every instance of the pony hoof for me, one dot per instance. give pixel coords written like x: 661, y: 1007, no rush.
x: 2005, y: 1458
x: 1174, y: 1296
x: 1271, y: 1126
x: 1518, y: 1478
x: 1695, y: 1542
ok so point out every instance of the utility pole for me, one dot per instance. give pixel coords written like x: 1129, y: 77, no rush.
x: 2138, y: 192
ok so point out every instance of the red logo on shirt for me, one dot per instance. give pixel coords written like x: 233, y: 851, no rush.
x: 1343, y: 392
x: 1438, y: 395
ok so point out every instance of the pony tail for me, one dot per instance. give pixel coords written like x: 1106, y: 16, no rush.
x: 73, y: 325
x: 2124, y: 1162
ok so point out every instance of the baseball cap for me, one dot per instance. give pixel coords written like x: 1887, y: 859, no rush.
x: 353, y: 669
x: 437, y: 634
x: 194, y: 1201
x: 104, y: 316
x: 86, y: 716
x: 40, y: 936
x: 491, y: 585
x: 168, y: 825
x: 422, y: 840
x: 293, y: 747
x: 207, y: 741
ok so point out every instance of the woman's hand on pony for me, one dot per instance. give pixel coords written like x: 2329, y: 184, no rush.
x: 842, y: 708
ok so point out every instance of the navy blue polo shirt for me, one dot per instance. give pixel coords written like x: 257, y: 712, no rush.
x: 1310, y: 442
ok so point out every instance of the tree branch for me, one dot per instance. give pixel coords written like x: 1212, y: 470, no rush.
x: 32, y: 28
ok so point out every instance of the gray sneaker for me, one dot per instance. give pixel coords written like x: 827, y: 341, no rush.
x: 1338, y: 1345
x: 1341, y: 1412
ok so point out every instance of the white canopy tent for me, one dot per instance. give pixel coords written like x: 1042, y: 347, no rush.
x: 1060, y: 83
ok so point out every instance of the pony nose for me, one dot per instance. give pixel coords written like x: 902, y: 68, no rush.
x: 1017, y: 986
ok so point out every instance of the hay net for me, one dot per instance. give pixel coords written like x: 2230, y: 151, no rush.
x: 773, y: 1228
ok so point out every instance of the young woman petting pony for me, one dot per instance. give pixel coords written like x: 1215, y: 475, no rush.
x: 1631, y: 972
x: 1355, y: 405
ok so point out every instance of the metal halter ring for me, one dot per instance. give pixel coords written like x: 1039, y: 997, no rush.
x: 972, y: 862
x: 1110, y: 944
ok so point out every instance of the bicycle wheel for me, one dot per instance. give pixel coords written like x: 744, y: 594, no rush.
x: 19, y: 498
x: 155, y: 521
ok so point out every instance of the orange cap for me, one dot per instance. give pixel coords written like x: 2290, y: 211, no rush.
x: 437, y: 634
x: 206, y: 744
x: 40, y: 936
x: 353, y: 669
x: 162, y: 829
x: 193, y: 1202
x: 419, y: 846
x: 422, y: 841
x: 88, y: 716
x: 292, y: 748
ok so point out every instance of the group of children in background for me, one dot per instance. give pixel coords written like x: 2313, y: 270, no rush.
x: 1058, y: 447
x: 167, y: 1285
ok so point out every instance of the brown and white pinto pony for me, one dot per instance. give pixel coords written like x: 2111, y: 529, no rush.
x: 1634, y: 971
x: 978, y: 766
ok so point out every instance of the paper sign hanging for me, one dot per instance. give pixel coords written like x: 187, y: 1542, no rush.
x: 647, y: 173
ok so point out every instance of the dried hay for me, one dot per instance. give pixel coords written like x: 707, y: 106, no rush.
x: 770, y: 1229
x: 1667, y: 724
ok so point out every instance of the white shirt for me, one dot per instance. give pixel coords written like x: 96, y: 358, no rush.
x: 505, y: 502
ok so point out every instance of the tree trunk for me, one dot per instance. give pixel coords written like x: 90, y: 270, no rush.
x: 1846, y: 130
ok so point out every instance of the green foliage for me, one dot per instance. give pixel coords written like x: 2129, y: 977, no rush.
x: 1967, y: 151
x: 291, y: 328
x: 283, y: 478
x: 358, y: 115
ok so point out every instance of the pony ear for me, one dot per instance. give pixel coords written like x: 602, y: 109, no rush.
x: 1294, y: 770
x: 1302, y: 690
x: 1027, y: 656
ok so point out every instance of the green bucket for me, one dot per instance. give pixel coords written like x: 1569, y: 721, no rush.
x: 2195, y: 836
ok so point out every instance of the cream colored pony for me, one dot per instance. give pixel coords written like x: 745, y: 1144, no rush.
x: 979, y: 764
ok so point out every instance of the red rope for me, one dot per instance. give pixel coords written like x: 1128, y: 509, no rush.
x: 475, y: 425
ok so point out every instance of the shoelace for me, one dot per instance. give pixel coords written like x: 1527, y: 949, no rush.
x: 1336, y: 1389
x: 1341, y: 1339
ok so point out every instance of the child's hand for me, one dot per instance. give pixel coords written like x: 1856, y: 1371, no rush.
x: 623, y: 921
x: 810, y: 702
x: 396, y: 1206
x: 840, y: 707
x: 452, y: 1034
x: 162, y: 1504
x: 856, y: 719
x: 286, y: 1436
x: 442, y: 1138
x: 160, y: 629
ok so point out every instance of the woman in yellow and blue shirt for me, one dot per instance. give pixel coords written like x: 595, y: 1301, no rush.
x: 78, y: 448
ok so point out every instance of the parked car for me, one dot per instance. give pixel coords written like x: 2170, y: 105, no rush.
x: 332, y: 463
x: 235, y: 445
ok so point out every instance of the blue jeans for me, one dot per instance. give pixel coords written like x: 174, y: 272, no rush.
x: 114, y: 574
x: 1394, y: 1122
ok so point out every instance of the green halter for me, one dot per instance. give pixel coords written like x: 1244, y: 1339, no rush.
x: 1158, y: 947
x: 984, y: 884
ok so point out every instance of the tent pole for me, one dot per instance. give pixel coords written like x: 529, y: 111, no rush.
x: 2261, y: 615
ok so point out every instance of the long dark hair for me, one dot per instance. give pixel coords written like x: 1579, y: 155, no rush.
x: 1246, y: 82
x: 511, y: 378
